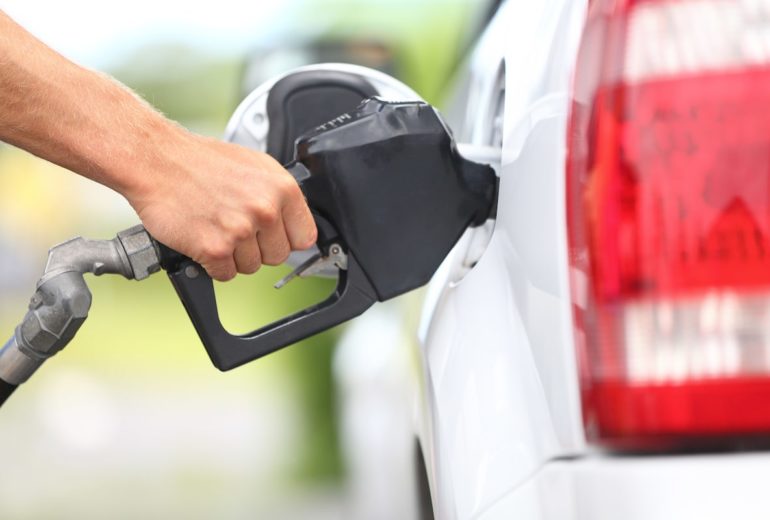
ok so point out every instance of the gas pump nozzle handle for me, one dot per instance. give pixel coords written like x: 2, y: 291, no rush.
x: 386, y: 184
x: 351, y: 297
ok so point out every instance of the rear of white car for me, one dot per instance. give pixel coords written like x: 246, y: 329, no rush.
x: 669, y: 217
x: 602, y: 350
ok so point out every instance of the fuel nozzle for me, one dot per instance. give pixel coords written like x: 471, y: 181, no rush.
x: 390, y: 194
x: 389, y: 179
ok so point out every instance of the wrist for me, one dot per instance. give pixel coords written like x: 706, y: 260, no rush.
x: 148, y: 156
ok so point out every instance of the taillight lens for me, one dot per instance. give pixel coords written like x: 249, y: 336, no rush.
x: 668, y: 197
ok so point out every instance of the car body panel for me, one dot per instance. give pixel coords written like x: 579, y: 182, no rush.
x: 496, y: 344
x: 713, y: 486
x: 493, y: 377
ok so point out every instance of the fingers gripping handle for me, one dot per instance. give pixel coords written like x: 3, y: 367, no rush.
x: 352, y: 296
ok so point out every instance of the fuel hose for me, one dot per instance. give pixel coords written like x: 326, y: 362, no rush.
x: 6, y: 389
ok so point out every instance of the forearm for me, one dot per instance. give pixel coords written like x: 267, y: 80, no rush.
x: 74, y: 117
x: 226, y: 207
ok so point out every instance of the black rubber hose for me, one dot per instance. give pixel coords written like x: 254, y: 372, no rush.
x: 6, y: 389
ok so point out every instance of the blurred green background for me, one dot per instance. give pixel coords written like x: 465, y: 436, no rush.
x: 132, y: 420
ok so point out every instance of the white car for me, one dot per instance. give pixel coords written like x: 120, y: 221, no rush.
x: 601, y: 351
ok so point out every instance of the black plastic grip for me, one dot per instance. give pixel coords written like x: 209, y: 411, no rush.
x: 352, y: 296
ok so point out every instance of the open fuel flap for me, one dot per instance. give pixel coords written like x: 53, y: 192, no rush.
x: 275, y: 114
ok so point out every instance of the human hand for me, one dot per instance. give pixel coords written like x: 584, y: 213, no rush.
x: 229, y: 208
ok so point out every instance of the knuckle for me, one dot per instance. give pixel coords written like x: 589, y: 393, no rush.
x: 290, y: 188
x: 237, y: 227
x: 267, y: 214
x: 242, y: 231
x: 220, y: 273
x: 227, y: 275
x: 215, y: 251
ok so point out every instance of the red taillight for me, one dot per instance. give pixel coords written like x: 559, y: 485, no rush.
x: 668, y: 196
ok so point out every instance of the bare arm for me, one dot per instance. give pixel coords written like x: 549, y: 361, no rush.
x: 229, y: 208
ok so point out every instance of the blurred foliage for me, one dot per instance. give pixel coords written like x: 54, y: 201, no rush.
x: 143, y: 325
x: 427, y: 38
x: 425, y: 41
x: 184, y: 82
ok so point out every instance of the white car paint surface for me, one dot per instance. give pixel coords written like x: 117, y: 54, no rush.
x: 490, y: 384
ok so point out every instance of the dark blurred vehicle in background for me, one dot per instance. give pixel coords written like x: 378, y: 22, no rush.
x: 267, y: 63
